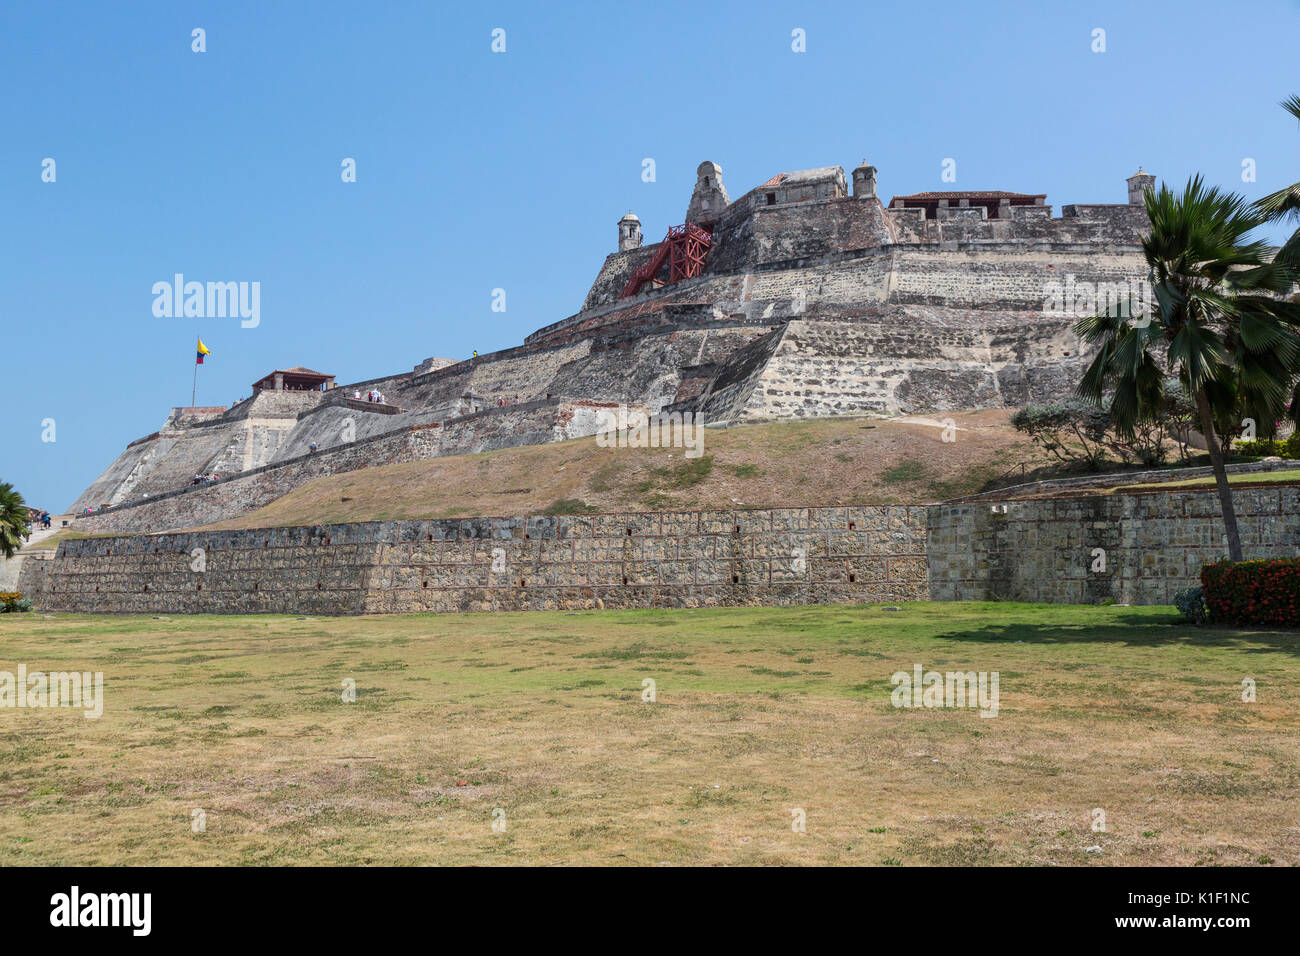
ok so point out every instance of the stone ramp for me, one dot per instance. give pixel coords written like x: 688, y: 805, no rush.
x: 11, y: 568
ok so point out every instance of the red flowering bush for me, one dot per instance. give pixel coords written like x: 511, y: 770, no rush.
x: 1253, y: 592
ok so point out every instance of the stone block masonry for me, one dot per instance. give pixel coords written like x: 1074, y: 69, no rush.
x: 1042, y: 549
x: 538, y: 562
x: 1154, y: 544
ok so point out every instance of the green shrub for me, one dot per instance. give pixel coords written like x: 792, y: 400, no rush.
x: 1261, y: 448
x: 1265, y: 447
x: 1253, y: 592
x: 906, y: 470
x: 1191, y: 605
x: 690, y: 472
x: 568, y: 506
x: 1070, y: 431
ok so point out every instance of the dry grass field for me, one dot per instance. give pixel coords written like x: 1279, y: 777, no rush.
x: 758, y: 711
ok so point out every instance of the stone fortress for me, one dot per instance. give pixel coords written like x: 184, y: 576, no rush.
x: 802, y: 298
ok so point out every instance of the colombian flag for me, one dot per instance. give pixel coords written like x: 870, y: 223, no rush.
x: 203, y: 350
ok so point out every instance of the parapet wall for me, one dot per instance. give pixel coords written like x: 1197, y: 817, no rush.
x: 1153, y: 544
x: 538, y: 562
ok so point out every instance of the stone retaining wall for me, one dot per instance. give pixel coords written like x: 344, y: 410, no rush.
x: 1154, y: 544
x: 668, y: 559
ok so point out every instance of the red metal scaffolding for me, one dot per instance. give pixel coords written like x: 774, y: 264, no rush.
x: 684, y: 248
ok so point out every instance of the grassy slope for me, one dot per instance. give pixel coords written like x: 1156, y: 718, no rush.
x: 759, y: 711
x: 1249, y: 478
x: 835, y: 462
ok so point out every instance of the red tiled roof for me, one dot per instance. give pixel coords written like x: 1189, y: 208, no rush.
x: 971, y: 194
x: 299, y: 370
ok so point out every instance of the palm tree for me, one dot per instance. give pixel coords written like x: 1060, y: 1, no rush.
x: 1218, y: 322
x: 1285, y: 203
x: 13, y: 519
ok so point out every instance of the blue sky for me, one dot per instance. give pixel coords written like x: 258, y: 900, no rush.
x: 478, y: 170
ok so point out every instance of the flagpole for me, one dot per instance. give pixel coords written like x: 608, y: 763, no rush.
x: 195, y: 389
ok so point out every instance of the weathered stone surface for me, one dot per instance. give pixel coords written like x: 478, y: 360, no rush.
x: 678, y: 559
x: 1043, y: 549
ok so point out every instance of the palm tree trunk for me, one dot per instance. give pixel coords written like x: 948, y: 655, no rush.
x: 1220, y: 476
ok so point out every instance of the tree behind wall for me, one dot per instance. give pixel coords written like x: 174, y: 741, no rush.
x: 1219, y: 322
x: 13, y: 520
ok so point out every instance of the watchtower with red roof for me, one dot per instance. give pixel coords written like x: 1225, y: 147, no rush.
x: 296, y: 379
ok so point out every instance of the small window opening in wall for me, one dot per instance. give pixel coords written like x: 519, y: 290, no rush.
x: 521, y: 582
x: 624, y: 581
x: 109, y: 551
x: 737, y: 529
x: 853, y: 526
x: 629, y: 531
x: 317, y: 585
x: 852, y: 577
x: 197, y: 587
x: 735, y: 579
x: 327, y: 540
x: 430, y: 537
x: 771, y: 199
x: 266, y: 544
x: 254, y: 585
x: 425, y: 584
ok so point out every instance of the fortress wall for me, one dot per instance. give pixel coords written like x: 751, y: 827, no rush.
x: 637, y: 368
x: 246, y: 492
x: 337, y: 425
x: 527, y: 376
x: 657, y: 559
x: 134, y: 460
x: 1101, y: 224
x: 1044, y: 549
x: 756, y: 235
x: 269, y: 403
x: 862, y: 282
x: 534, y: 423
x: 614, y: 273
x: 988, y: 278
x: 994, y: 274
x: 723, y: 397
x: 1155, y: 544
x: 894, y: 361
x: 26, y: 573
